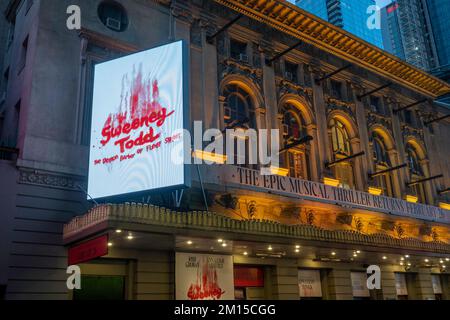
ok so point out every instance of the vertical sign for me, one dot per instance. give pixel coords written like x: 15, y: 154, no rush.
x: 203, y: 277
x: 138, y: 111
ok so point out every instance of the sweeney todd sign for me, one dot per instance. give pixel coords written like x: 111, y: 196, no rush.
x: 137, y: 118
x: 204, y: 277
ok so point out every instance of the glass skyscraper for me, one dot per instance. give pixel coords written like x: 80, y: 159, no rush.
x: 439, y: 11
x: 349, y: 15
x: 406, y: 33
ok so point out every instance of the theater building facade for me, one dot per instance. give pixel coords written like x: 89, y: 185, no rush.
x: 363, y: 178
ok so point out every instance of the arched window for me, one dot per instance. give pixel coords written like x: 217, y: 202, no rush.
x: 340, y: 138
x: 239, y: 111
x: 413, y: 162
x: 380, y: 155
x: 415, y: 173
x: 382, y: 162
x: 238, y: 105
x: 294, y: 127
x: 296, y: 158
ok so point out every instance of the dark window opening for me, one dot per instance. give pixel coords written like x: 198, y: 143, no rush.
x: 113, y: 15
x: 336, y: 89
x: 238, y: 50
x: 375, y: 104
x: 291, y: 71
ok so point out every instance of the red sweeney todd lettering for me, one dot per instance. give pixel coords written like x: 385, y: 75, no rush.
x: 134, y: 126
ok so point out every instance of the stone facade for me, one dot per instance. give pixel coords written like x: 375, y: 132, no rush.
x: 46, y: 117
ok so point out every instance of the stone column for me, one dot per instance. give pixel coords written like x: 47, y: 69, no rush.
x: 427, y: 186
x: 393, y: 156
x: 339, y: 284
x: 322, y: 141
x: 389, y: 291
x: 182, y: 21
x: 364, y: 162
x: 401, y: 174
x: 221, y: 119
x: 270, y: 94
x: 314, y: 158
x: 212, y: 111
x: 423, y: 285
x: 285, y: 280
x: 358, y: 167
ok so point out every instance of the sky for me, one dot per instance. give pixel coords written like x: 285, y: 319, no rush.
x: 381, y: 3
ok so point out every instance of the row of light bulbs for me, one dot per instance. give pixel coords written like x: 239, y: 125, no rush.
x: 297, y: 250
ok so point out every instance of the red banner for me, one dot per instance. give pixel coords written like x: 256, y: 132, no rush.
x: 88, y: 250
x: 248, y: 277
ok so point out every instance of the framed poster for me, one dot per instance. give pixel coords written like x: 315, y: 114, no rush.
x: 436, y: 281
x: 139, y: 109
x: 309, y: 283
x: 203, y: 277
x: 359, y: 284
x: 400, y: 284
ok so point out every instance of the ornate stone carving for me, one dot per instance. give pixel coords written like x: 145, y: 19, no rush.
x: 182, y: 14
x: 376, y: 118
x: 230, y: 66
x: 347, y: 107
x: 51, y: 180
x: 409, y: 131
x: 288, y: 87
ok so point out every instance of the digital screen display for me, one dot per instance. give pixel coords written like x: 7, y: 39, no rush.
x: 137, y: 117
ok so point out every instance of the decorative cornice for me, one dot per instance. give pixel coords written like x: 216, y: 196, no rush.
x: 230, y: 66
x: 374, y: 118
x: 107, y: 42
x: 145, y: 217
x: 50, y: 180
x: 290, y: 19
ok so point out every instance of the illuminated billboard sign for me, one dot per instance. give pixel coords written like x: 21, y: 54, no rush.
x: 138, y: 112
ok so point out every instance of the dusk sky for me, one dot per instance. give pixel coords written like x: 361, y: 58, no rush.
x: 381, y: 3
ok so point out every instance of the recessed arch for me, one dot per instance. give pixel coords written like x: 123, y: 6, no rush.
x: 388, y: 140
x: 249, y: 86
x: 418, y: 147
x: 348, y: 122
x: 300, y: 104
